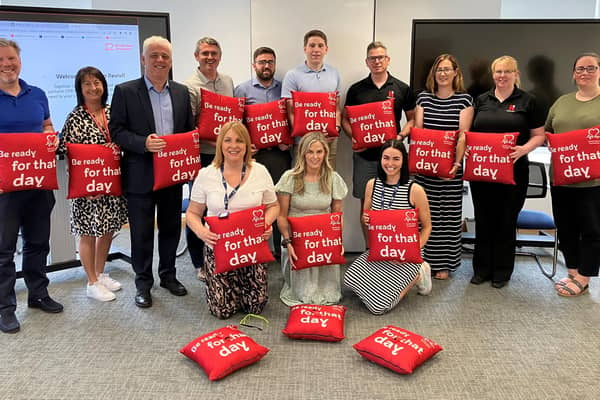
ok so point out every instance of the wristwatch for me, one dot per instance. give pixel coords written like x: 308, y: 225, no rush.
x: 285, y: 242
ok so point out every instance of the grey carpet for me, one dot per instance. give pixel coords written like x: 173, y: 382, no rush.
x: 520, y: 342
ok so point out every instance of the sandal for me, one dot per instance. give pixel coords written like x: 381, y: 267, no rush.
x: 566, y: 291
x: 442, y: 275
x: 564, y: 281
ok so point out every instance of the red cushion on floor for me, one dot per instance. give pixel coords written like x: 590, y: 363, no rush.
x: 397, y: 349
x: 223, y: 351
x: 315, y: 322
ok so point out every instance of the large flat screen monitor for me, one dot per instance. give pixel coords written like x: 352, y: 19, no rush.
x: 545, y: 50
x: 56, y: 43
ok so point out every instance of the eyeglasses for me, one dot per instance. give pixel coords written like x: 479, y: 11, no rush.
x: 265, y: 62
x: 373, y: 59
x: 444, y: 70
x: 590, y: 69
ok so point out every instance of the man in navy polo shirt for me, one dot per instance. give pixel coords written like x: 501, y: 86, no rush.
x: 23, y: 108
x: 264, y: 88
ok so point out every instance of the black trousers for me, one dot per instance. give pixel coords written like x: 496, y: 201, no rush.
x: 577, y: 217
x: 28, y: 211
x: 496, y: 208
x: 141, y: 208
x: 277, y: 162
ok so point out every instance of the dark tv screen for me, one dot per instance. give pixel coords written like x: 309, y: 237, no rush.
x: 544, y: 49
x: 56, y: 43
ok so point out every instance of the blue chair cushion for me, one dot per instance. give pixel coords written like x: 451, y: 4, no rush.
x: 530, y: 219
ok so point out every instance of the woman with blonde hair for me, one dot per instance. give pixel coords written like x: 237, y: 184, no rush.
x: 311, y: 187
x: 233, y: 182
x: 445, y: 106
x: 504, y: 108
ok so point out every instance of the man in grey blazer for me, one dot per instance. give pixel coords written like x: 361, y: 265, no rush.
x: 142, y: 111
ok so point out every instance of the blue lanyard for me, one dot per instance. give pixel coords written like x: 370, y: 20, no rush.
x: 235, y: 189
x: 396, y: 186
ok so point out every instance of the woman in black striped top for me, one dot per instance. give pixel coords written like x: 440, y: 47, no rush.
x: 445, y: 106
x: 382, y: 284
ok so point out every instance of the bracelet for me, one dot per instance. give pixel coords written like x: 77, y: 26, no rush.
x: 286, y: 242
x: 457, y: 164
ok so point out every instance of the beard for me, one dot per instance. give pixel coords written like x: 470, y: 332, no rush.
x: 265, y: 75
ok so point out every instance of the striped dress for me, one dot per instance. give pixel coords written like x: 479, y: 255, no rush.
x: 379, y: 283
x: 443, y: 250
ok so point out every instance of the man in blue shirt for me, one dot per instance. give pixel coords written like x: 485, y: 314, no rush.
x: 314, y: 76
x: 143, y: 110
x: 23, y: 108
x: 264, y: 88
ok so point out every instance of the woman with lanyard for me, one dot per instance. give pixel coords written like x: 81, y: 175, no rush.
x: 94, y: 219
x: 233, y: 182
x: 382, y: 284
x: 311, y: 187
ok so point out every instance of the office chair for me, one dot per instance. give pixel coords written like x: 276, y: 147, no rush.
x: 537, y: 220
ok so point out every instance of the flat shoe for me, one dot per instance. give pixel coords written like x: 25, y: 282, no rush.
x: 442, y: 275
x: 45, y: 304
x: 499, y: 284
x: 478, y: 280
x: 570, y: 292
x: 9, y: 323
x: 564, y: 281
x: 175, y: 287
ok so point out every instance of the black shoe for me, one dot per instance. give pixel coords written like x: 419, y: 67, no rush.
x: 175, y: 287
x: 499, y: 284
x: 143, y: 299
x: 9, y: 323
x: 478, y: 280
x: 45, y: 304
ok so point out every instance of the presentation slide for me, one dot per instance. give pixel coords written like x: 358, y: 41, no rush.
x: 52, y: 53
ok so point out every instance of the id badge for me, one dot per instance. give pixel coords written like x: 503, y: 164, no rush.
x: 223, y: 214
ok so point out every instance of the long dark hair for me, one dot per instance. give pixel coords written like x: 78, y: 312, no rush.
x: 96, y: 73
x: 404, y: 174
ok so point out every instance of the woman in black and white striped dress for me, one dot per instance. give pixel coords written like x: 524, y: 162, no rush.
x: 382, y: 284
x: 445, y: 106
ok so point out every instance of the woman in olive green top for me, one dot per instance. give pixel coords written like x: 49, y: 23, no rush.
x: 576, y: 207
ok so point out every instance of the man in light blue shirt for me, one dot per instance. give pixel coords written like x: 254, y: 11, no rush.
x: 314, y: 76
x: 263, y: 88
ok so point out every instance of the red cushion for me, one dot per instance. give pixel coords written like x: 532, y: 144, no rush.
x: 178, y: 162
x: 372, y: 124
x: 27, y: 161
x: 93, y: 169
x: 268, y: 124
x: 240, y: 242
x: 314, y: 112
x: 394, y: 235
x: 216, y: 110
x: 317, y: 240
x: 487, y: 157
x: 397, y: 349
x: 431, y: 152
x: 223, y: 351
x: 314, y: 322
x: 575, y: 156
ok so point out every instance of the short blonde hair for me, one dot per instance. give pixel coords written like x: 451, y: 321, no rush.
x: 512, y: 64
x: 242, y: 132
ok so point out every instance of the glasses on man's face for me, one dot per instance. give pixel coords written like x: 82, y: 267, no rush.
x: 590, y: 69
x: 374, y: 59
x: 265, y: 62
x: 444, y: 70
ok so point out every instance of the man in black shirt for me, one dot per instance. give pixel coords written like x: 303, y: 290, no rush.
x: 380, y: 85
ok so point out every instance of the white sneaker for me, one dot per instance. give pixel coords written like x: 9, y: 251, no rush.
x: 424, y: 282
x: 109, y: 282
x: 98, y: 292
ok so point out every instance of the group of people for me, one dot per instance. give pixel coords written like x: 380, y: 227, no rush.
x: 291, y: 181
